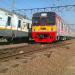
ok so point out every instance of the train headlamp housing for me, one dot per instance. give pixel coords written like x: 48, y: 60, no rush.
x: 52, y: 29
x: 34, y: 30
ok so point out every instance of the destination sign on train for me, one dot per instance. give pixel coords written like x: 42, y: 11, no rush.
x: 44, y: 14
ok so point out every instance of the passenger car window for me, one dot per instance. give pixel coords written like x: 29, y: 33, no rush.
x: 9, y: 21
x: 28, y: 25
x: 19, y: 23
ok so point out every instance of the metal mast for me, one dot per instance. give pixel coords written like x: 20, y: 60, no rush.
x: 13, y: 5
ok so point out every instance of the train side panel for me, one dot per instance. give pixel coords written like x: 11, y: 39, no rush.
x: 13, y: 25
x: 63, y: 30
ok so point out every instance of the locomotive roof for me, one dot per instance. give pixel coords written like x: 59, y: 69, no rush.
x: 11, y: 12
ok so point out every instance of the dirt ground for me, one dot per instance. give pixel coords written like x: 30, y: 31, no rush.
x: 55, y: 61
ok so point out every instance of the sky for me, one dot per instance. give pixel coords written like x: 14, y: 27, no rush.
x: 67, y: 16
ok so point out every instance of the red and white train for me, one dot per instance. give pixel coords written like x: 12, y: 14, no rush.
x: 48, y: 27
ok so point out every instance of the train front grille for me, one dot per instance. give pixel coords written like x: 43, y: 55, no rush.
x: 41, y: 36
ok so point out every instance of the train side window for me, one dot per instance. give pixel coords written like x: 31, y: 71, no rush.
x: 28, y: 25
x: 19, y: 23
x: 9, y: 21
x: 62, y: 25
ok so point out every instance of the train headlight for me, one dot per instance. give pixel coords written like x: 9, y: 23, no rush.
x: 51, y: 29
x: 34, y: 30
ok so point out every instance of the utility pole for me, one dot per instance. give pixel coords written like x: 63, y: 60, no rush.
x: 13, y: 8
x: 13, y: 5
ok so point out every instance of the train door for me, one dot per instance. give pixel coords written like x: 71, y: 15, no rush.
x: 19, y: 24
x: 9, y: 22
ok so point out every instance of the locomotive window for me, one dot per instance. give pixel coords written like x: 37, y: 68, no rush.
x: 19, y: 23
x: 43, y: 20
x: 36, y: 20
x: 9, y: 21
x: 51, y: 20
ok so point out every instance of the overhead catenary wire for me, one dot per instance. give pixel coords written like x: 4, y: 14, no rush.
x: 57, y: 7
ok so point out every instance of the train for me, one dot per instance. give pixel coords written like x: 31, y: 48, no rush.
x: 14, y: 26
x: 45, y: 27
x: 48, y: 27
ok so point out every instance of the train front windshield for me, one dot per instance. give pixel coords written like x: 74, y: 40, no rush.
x: 36, y: 21
x: 44, y: 20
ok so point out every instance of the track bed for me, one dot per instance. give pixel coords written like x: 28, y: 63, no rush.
x: 40, y: 59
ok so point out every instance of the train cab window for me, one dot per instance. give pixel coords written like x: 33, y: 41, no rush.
x: 36, y: 20
x: 43, y: 21
x: 19, y: 23
x: 9, y: 21
x: 51, y: 20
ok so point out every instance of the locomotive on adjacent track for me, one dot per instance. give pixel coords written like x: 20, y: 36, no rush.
x: 14, y: 25
x: 48, y: 27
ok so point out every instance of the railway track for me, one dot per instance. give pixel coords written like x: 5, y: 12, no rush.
x: 18, y: 51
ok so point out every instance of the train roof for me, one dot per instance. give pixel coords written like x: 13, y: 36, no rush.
x: 12, y: 12
x: 39, y: 13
